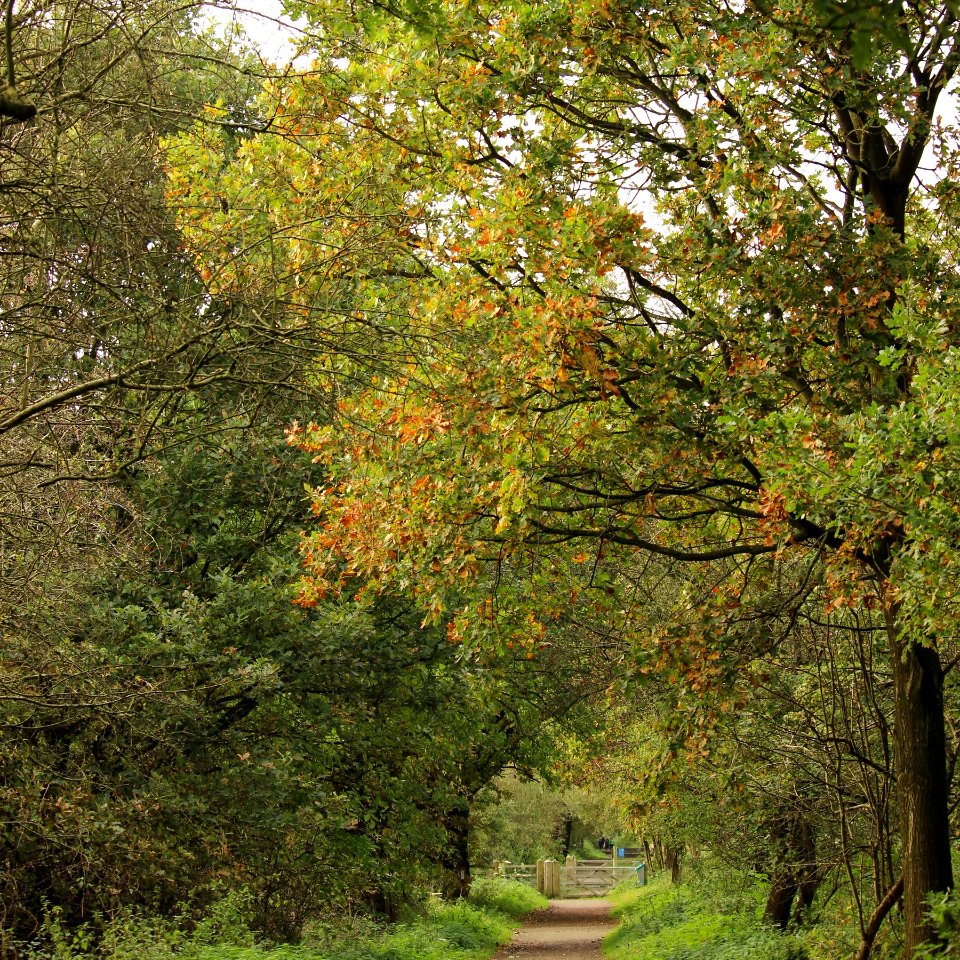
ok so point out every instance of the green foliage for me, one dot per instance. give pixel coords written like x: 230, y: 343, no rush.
x: 129, y: 936
x: 328, y: 934
x: 310, y: 757
x: 537, y: 386
x: 227, y: 921
x: 143, y: 599
x: 57, y: 941
x: 589, y: 851
x: 945, y: 914
x: 518, y: 820
x: 663, y: 922
x: 460, y: 931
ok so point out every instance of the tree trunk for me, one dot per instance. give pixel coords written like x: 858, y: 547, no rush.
x: 672, y: 858
x: 455, y: 876
x: 658, y: 848
x: 383, y: 904
x: 783, y: 888
x: 808, y: 870
x: 784, y: 881
x: 922, y: 788
x: 806, y: 892
x: 795, y: 872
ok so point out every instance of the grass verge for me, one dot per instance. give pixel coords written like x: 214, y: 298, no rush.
x: 468, y: 930
x: 686, y: 922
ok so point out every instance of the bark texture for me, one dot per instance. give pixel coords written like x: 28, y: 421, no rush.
x: 922, y: 787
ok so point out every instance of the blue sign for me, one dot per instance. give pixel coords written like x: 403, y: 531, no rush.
x: 621, y: 852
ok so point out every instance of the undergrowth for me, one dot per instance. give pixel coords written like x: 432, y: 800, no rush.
x: 718, y: 915
x: 467, y: 930
x: 691, y: 922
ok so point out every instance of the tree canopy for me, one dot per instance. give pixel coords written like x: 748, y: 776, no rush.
x: 616, y: 352
x: 666, y: 282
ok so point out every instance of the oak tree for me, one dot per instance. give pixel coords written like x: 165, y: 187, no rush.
x: 658, y: 280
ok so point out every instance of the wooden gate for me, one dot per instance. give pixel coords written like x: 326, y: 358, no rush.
x: 574, y: 878
x: 593, y: 878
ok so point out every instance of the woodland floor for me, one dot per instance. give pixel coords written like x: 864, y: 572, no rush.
x: 566, y: 930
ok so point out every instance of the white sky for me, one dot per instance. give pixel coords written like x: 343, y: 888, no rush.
x: 263, y: 22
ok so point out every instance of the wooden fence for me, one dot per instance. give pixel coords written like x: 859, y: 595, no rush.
x: 524, y: 872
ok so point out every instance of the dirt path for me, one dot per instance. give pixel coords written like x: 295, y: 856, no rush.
x: 566, y: 930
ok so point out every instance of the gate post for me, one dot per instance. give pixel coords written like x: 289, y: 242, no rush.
x: 541, y: 879
x: 571, y: 870
x: 551, y: 878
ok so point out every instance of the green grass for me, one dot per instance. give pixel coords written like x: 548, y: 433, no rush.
x: 686, y: 922
x: 588, y: 851
x: 468, y: 930
x: 458, y: 930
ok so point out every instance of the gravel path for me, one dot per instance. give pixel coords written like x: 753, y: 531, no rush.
x: 566, y: 930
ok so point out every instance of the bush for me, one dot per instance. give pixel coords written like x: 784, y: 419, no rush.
x: 227, y: 921
x: 506, y: 896
x: 129, y: 937
x: 323, y: 936
x: 456, y: 931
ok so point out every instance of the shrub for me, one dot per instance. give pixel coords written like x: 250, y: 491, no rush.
x: 321, y: 936
x: 130, y: 937
x: 457, y: 931
x: 506, y: 896
x: 945, y: 913
x: 227, y: 921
